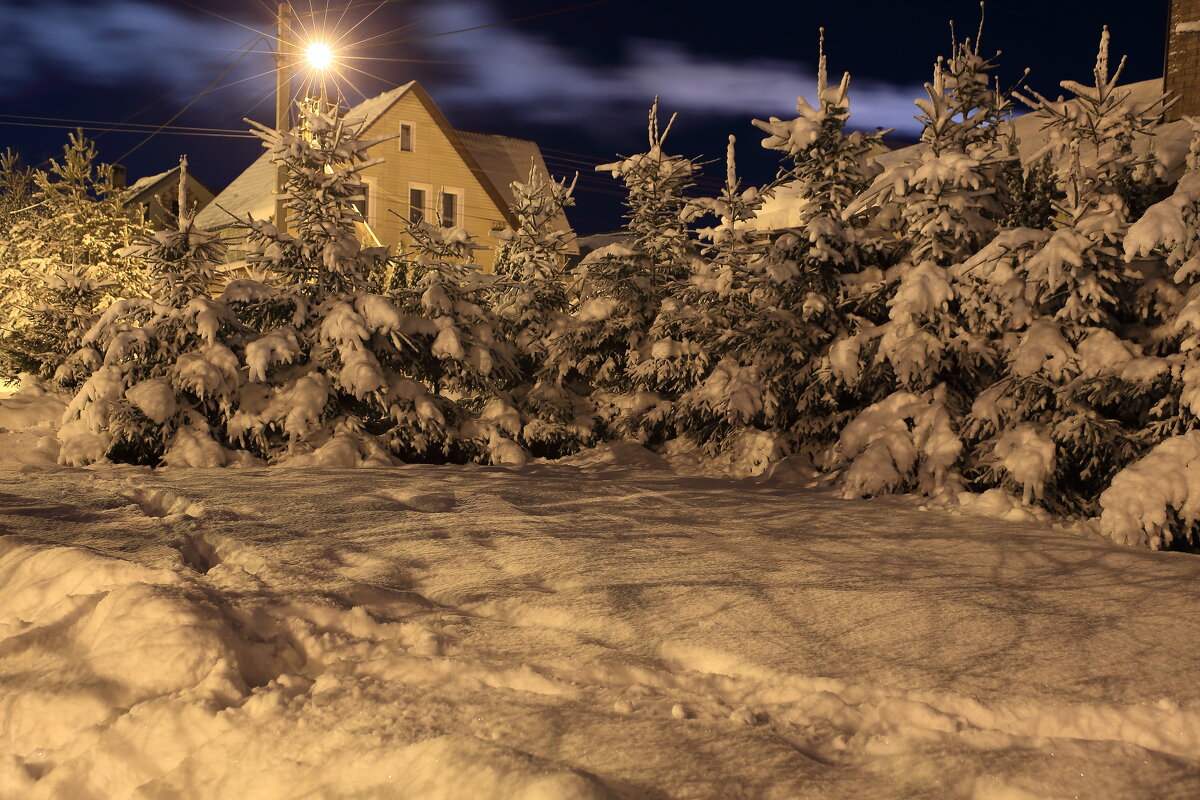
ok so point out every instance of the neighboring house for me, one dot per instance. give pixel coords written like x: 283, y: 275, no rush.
x: 159, y: 194
x: 430, y: 169
x: 595, y: 241
x: 1169, y: 142
x: 1181, y: 62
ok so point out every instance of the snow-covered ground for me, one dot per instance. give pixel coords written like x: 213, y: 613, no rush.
x: 600, y: 628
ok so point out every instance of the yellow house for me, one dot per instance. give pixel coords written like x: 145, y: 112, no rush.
x: 429, y: 169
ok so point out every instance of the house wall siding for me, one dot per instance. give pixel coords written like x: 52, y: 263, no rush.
x: 1183, y: 61
x: 435, y: 162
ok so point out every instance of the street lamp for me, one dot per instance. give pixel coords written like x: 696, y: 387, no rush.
x: 319, y: 56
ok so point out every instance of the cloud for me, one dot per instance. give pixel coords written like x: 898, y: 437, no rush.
x: 508, y: 67
x: 111, y: 44
x: 505, y: 69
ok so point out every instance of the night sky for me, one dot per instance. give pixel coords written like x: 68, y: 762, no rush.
x: 577, y: 82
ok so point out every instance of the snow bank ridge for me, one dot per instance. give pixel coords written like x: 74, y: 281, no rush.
x: 127, y: 640
x: 163, y: 503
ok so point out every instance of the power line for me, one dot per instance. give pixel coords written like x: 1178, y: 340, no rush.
x: 190, y: 103
x: 263, y: 35
x: 248, y: 43
x: 133, y: 126
x: 100, y: 128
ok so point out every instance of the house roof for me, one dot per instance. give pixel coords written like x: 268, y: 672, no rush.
x: 145, y: 189
x: 253, y: 191
x: 503, y: 158
x: 1169, y: 141
x: 506, y: 161
x: 496, y: 162
x: 147, y: 185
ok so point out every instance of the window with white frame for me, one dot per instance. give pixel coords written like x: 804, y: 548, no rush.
x: 408, y: 137
x: 451, y: 210
x: 418, y: 201
x: 368, y: 205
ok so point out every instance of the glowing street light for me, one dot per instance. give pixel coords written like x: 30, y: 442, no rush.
x: 319, y: 56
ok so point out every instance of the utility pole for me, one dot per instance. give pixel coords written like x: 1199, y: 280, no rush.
x: 283, y: 100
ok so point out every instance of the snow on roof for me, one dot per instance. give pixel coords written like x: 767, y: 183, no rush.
x: 253, y: 192
x: 1032, y: 137
x: 372, y: 109
x: 1169, y: 141
x: 503, y: 158
x: 780, y: 210
x: 141, y: 185
x: 506, y: 160
x: 597, y: 240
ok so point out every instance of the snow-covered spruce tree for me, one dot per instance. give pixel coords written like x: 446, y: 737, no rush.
x: 455, y: 351
x: 613, y: 301
x: 167, y: 369
x: 18, y: 209
x: 59, y: 260
x: 1153, y: 501
x: 1032, y: 190
x: 826, y: 169
x: 332, y: 373
x: 702, y: 354
x: 341, y: 374
x: 530, y: 302
x: 945, y: 208
x: 16, y: 192
x: 49, y: 311
x: 942, y: 204
x: 83, y: 222
x: 615, y: 295
x: 818, y: 280
x: 1164, y: 246
x: 1075, y: 397
x: 320, y: 253
x: 657, y: 210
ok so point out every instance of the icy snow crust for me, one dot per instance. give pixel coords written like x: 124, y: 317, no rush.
x: 600, y: 627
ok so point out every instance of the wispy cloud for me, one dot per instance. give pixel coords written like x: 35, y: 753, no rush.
x: 506, y: 69
x: 110, y: 44
x: 506, y: 66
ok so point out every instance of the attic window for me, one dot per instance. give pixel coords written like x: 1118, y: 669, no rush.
x: 407, y: 136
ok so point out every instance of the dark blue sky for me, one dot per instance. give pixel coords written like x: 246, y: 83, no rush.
x: 577, y: 82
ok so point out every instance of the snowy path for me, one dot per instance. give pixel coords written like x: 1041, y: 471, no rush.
x: 552, y: 632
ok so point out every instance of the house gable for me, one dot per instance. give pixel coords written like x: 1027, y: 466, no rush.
x: 159, y: 195
x: 475, y: 168
x: 439, y: 161
x: 387, y: 123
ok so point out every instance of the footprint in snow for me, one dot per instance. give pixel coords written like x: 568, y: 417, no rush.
x: 198, y: 552
x: 415, y: 500
x: 387, y: 602
x: 162, y: 503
